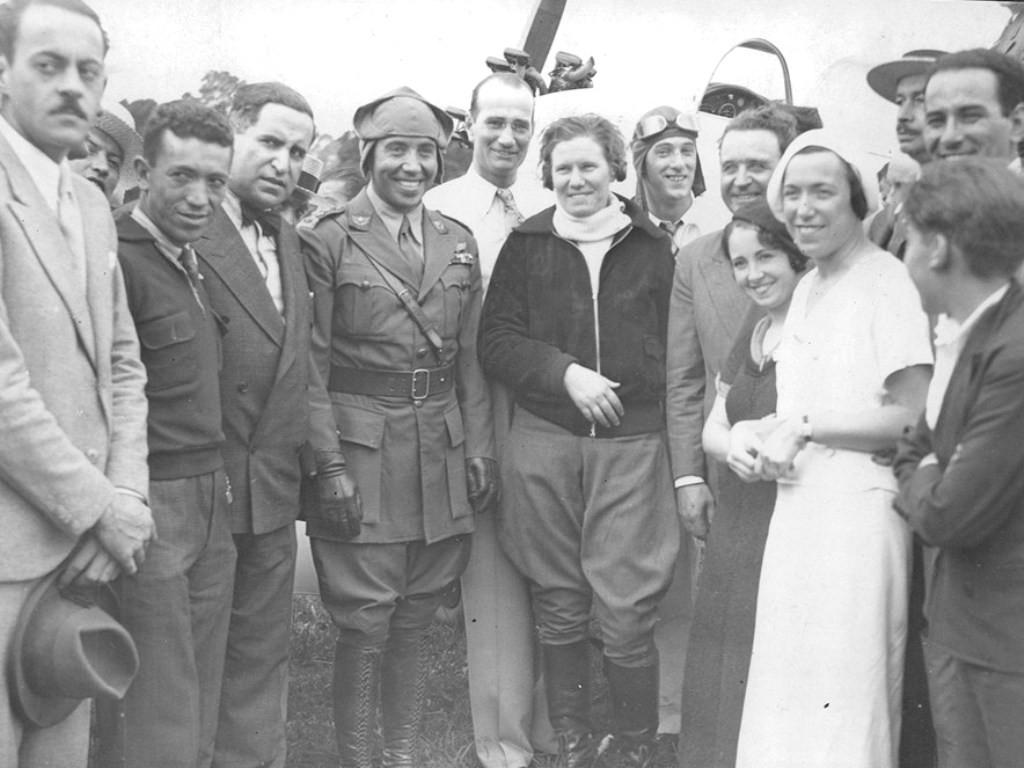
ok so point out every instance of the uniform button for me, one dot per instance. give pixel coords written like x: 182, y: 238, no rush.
x: 419, y: 403
x: 422, y: 352
x: 243, y: 388
x: 365, y: 285
x: 92, y: 455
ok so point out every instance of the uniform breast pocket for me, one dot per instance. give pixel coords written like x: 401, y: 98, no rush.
x: 167, y: 350
x: 362, y: 302
x: 455, y: 282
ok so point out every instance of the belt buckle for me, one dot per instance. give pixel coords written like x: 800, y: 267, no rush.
x: 420, y: 376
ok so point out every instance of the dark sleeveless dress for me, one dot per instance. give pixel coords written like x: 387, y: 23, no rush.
x: 722, y: 633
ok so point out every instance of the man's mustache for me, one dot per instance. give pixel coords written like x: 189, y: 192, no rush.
x: 70, y: 107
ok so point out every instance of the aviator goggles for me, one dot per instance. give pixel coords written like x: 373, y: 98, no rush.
x: 652, y: 125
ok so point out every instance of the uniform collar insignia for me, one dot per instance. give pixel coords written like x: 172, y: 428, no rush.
x: 360, y: 222
x: 439, y: 225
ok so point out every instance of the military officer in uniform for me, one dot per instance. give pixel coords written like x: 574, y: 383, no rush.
x: 397, y: 295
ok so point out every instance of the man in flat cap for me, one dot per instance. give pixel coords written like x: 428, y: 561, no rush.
x: 273, y: 404
x: 396, y: 303
x: 902, y: 82
x: 107, y: 157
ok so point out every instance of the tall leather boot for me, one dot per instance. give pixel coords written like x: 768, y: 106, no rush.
x: 355, y: 686
x: 634, y: 696
x: 567, y: 675
x: 403, y: 691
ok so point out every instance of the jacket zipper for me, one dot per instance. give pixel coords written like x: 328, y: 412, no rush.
x: 594, y: 291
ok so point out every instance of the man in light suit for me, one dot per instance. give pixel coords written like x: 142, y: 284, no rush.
x: 706, y: 312
x: 272, y: 404
x: 961, y: 470
x: 708, y: 307
x: 509, y: 709
x: 72, y: 406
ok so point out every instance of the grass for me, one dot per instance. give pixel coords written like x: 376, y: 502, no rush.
x: 447, y: 729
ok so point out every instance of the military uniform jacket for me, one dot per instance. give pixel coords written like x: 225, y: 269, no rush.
x: 408, y: 457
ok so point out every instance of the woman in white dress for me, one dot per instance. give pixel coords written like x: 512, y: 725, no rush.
x: 852, y: 372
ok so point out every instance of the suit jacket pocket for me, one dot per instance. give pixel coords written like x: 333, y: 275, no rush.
x: 362, y: 433
x: 167, y: 350
x: 456, y: 463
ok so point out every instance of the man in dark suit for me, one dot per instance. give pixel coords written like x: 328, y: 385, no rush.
x: 961, y: 470
x: 273, y: 403
x: 397, y: 292
x: 178, y: 606
x: 73, y: 476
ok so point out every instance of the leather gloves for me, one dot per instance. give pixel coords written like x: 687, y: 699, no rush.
x: 341, y: 509
x: 482, y: 483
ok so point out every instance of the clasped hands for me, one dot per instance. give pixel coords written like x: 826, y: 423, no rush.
x: 115, y: 544
x: 764, y: 449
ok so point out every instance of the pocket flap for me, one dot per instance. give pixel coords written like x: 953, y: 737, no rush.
x: 453, y: 419
x: 164, y: 331
x: 360, y: 426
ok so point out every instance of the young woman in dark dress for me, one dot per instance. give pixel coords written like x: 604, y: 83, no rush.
x: 767, y: 265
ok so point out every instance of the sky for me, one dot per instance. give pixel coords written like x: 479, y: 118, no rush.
x: 342, y: 53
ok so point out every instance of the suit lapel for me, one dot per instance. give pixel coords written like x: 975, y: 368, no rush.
x: 293, y: 286
x: 965, y: 381
x: 438, y: 246
x: 722, y: 289
x: 367, y: 231
x: 42, y: 232
x: 222, y: 250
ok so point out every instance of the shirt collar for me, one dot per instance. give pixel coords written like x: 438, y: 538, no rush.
x: 43, y: 171
x: 393, y: 218
x: 948, y: 331
x: 166, y: 246
x: 480, y: 191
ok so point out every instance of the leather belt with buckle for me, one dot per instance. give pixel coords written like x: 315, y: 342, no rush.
x: 415, y: 385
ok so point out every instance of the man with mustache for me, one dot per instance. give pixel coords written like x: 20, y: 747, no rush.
x: 902, y: 82
x: 107, y: 158
x: 73, y: 474
x: 397, y: 303
x: 273, y: 404
x: 177, y: 607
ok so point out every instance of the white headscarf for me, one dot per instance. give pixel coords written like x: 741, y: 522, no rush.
x: 825, y: 139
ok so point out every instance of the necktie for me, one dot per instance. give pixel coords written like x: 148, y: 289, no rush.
x: 513, y: 216
x: 670, y: 227
x: 265, y: 221
x: 71, y: 226
x: 407, y: 245
x: 187, y: 257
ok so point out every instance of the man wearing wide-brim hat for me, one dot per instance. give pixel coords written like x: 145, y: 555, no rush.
x: 902, y: 82
x: 109, y: 152
x: 397, y: 295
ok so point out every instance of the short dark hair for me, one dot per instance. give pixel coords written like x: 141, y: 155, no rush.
x: 186, y: 119
x: 797, y: 259
x: 250, y: 99
x: 1008, y: 71
x: 978, y: 205
x: 506, y: 79
x: 12, y: 11
x: 858, y: 197
x: 598, y: 128
x: 771, y: 117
